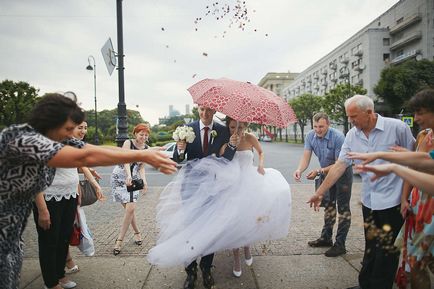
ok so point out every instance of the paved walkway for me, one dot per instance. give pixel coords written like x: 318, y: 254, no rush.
x: 283, y: 264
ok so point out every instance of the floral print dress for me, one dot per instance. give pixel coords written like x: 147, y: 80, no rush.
x: 420, y: 242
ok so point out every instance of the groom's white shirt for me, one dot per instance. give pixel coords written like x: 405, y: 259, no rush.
x: 202, y: 131
x: 201, y: 126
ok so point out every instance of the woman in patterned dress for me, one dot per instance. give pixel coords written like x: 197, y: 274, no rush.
x: 121, y: 177
x: 29, y: 154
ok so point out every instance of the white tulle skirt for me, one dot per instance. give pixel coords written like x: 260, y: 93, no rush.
x: 214, y: 204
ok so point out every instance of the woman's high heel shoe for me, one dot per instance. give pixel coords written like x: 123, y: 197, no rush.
x: 117, y: 248
x: 138, y: 238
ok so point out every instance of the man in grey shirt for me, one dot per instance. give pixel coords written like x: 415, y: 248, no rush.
x: 326, y: 143
x: 380, y: 198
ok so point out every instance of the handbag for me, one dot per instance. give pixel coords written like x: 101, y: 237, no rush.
x: 401, y: 276
x: 76, y: 233
x: 88, y: 193
x: 136, y: 184
x: 86, y: 245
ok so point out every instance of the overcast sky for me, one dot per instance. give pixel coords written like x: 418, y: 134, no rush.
x: 47, y: 43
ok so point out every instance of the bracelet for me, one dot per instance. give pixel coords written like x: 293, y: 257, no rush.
x: 232, y: 146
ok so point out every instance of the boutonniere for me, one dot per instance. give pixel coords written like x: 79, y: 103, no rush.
x: 213, y: 135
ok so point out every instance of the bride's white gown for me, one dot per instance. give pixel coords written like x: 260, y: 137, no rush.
x: 215, y: 204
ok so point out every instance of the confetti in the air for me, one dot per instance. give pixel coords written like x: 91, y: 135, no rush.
x: 162, y: 28
x: 236, y: 14
x: 205, y: 54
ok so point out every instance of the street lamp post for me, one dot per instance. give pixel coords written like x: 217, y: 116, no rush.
x: 93, y: 67
x: 122, y: 123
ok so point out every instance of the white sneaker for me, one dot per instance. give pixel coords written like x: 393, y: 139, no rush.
x: 68, y: 284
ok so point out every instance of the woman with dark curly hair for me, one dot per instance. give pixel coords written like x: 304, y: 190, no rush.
x: 29, y: 154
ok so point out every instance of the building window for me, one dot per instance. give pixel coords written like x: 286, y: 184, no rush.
x: 399, y: 20
x: 379, y: 23
x: 386, y: 41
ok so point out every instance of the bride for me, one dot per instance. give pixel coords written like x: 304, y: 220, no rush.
x: 215, y: 204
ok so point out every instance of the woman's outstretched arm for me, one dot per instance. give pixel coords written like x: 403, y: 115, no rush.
x: 90, y: 155
x: 421, y: 180
x: 417, y: 160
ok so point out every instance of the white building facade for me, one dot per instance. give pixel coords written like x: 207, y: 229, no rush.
x: 404, y: 31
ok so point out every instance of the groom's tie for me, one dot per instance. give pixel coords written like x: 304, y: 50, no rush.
x: 205, y: 140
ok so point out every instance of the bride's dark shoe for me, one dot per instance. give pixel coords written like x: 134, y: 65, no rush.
x: 190, y: 281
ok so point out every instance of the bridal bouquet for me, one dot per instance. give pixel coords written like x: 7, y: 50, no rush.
x: 184, y: 133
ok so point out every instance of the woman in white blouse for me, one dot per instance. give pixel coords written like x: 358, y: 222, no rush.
x: 54, y: 212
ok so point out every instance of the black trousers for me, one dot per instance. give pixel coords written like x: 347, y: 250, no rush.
x: 53, y: 243
x: 205, y: 264
x: 380, y: 260
x: 187, y: 192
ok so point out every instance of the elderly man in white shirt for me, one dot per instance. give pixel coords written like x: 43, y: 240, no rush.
x: 380, y: 198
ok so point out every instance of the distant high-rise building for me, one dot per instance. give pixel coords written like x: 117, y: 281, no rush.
x: 187, y: 109
x: 173, y: 112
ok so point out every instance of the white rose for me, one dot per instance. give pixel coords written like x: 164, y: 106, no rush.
x: 182, y: 135
x: 175, y: 136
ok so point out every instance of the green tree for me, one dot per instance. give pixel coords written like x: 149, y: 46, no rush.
x: 195, y: 113
x: 107, y: 123
x: 16, y: 100
x: 334, y: 101
x: 305, y: 106
x: 399, y: 83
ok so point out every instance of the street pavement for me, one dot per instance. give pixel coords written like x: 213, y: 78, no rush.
x: 288, y: 263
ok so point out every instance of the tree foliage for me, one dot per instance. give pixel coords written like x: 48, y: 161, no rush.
x: 16, y: 101
x: 107, y: 123
x: 399, y: 83
x: 334, y: 100
x: 305, y: 106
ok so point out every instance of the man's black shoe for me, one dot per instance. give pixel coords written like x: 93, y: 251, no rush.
x: 208, y: 280
x: 320, y: 243
x: 190, y: 281
x: 335, y: 251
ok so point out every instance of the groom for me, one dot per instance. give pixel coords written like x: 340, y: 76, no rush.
x: 210, y: 137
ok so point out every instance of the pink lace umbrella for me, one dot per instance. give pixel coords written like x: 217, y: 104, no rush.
x: 243, y: 101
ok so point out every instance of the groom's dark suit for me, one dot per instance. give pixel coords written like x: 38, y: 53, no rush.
x: 194, y: 150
